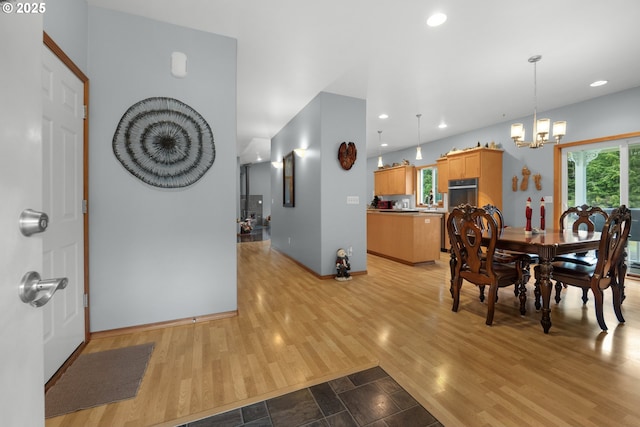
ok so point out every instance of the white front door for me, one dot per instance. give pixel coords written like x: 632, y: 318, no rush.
x: 21, y: 348
x: 62, y: 140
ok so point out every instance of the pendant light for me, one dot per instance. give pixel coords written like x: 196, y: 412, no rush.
x: 540, y: 126
x: 418, y: 149
x: 380, y: 145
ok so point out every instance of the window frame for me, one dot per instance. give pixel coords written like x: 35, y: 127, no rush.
x: 434, y: 185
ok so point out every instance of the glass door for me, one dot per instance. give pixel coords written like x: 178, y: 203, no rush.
x: 606, y: 174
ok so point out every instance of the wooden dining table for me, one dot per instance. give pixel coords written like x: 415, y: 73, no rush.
x: 546, y: 246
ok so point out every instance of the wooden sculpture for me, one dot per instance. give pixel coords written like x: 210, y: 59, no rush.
x: 537, y: 179
x: 525, y: 179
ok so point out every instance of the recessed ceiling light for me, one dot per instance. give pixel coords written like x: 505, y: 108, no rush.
x: 383, y: 116
x: 442, y: 125
x: 599, y: 83
x: 384, y: 144
x: 436, y: 19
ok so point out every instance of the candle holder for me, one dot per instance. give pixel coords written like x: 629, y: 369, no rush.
x: 542, y: 215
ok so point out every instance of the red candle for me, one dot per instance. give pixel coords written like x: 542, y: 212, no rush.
x: 542, y: 213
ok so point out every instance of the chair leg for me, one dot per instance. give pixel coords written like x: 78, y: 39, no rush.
x: 617, y: 290
x: 481, y: 287
x: 521, y: 287
x: 522, y: 291
x: 622, y: 272
x: 456, y: 283
x: 598, y: 297
x: 452, y: 268
x: 558, y: 291
x: 585, y: 295
x: 491, y: 303
x: 536, y: 290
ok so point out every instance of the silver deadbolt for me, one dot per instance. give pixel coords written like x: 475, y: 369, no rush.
x: 32, y: 222
x: 38, y: 292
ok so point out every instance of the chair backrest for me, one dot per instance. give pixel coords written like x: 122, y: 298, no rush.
x: 611, y: 251
x: 584, y: 215
x: 466, y: 226
x: 496, y: 213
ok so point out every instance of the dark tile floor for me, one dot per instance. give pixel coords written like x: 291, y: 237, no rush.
x: 368, y: 398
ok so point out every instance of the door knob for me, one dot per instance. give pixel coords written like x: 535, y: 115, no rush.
x: 32, y: 222
x: 38, y: 292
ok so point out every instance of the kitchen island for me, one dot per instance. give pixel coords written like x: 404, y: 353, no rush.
x: 409, y: 237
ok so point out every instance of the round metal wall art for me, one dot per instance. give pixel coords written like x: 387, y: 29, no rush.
x: 164, y: 143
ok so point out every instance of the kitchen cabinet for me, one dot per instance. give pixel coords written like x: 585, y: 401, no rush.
x: 464, y: 165
x: 395, y: 180
x: 409, y: 238
x: 443, y: 175
x: 485, y: 164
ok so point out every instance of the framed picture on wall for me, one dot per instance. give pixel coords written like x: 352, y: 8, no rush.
x: 288, y: 169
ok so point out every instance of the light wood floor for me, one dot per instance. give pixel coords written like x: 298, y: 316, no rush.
x: 294, y: 330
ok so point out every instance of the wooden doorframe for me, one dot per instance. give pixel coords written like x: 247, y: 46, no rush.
x: 64, y: 58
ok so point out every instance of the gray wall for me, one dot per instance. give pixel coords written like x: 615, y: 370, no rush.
x: 260, y: 184
x: 604, y: 116
x: 65, y: 21
x: 159, y: 254
x: 322, y: 221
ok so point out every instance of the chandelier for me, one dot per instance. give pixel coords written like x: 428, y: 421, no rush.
x: 540, y: 126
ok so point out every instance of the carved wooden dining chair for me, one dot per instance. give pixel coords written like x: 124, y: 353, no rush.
x: 584, y: 220
x: 609, y: 270
x: 472, y: 260
x: 585, y: 217
x: 507, y: 257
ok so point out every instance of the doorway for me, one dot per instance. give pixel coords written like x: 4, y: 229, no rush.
x: 64, y: 198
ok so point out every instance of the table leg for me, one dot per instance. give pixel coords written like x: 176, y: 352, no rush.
x: 524, y: 261
x: 545, y: 290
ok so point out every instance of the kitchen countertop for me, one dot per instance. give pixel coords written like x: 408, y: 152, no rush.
x: 409, y: 211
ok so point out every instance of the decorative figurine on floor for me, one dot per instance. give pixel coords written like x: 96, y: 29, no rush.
x: 342, y: 265
x: 528, y: 212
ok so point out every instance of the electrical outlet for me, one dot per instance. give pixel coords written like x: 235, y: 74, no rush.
x: 350, y: 251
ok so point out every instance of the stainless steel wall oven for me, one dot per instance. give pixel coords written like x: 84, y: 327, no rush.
x: 463, y: 191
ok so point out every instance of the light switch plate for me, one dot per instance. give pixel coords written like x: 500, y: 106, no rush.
x: 353, y: 200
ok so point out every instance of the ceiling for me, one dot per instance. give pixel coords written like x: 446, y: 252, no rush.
x: 471, y: 72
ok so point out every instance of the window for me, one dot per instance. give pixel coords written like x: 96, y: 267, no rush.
x: 605, y: 174
x: 427, y: 186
